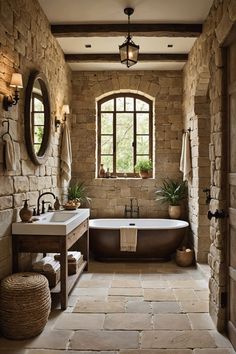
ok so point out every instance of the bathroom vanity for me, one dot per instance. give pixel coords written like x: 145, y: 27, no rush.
x: 54, y: 232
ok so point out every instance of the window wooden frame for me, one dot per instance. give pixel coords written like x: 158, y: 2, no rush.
x: 114, y: 113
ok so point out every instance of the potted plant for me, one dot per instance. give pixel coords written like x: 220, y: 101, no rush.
x: 77, y: 195
x: 172, y: 192
x: 143, y: 167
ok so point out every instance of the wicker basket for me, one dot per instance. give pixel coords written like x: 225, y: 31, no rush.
x: 25, y: 304
x: 183, y: 258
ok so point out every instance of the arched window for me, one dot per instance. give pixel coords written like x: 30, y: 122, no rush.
x: 124, y: 132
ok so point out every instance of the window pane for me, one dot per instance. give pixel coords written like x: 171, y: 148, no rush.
x: 129, y: 104
x: 142, y: 123
x: 124, y: 140
x: 108, y: 106
x: 37, y: 147
x: 120, y: 104
x: 38, y: 105
x: 106, y: 144
x: 38, y: 134
x: 39, y: 118
x: 142, y: 158
x: 106, y: 123
x: 107, y: 162
x: 142, y: 145
x: 141, y: 105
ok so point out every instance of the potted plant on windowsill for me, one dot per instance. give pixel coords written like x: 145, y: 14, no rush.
x: 144, y: 167
x: 77, y: 195
x: 172, y: 192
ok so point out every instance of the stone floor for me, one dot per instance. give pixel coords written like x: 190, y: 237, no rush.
x: 127, y: 308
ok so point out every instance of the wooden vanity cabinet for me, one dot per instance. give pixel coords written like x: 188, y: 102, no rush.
x: 78, y: 239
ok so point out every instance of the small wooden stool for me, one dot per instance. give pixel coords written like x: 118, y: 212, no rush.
x: 25, y: 304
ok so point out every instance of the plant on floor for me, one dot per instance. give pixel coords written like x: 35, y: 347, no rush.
x: 77, y: 192
x: 172, y: 192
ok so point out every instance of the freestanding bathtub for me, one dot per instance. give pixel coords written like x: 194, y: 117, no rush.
x: 157, y: 238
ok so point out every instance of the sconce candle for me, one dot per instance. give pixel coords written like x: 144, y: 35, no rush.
x: 16, y: 82
x: 65, y: 110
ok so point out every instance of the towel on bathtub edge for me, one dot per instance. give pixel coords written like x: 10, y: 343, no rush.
x: 128, y: 239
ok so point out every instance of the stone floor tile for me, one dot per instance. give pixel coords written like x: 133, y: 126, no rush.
x: 128, y: 321
x: 156, y: 351
x: 114, y: 298
x: 91, y: 298
x: 104, y: 340
x: 99, y: 306
x: 14, y: 351
x: 150, y: 277
x: 154, y: 284
x: 182, y: 284
x: 50, y: 351
x: 86, y: 276
x: 102, y: 276
x: 80, y: 321
x: 165, y: 307
x: 214, y: 351
x: 90, y: 292
x: 51, y: 340
x: 138, y: 307
x: 201, y: 321
x: 194, y: 306
x: 159, y: 295
x: 185, y: 295
x: 177, y: 339
x: 171, y: 321
x: 126, y: 276
x: 220, y: 339
x: 124, y: 283
x: 203, y: 294
x: 126, y: 291
x: 94, y: 283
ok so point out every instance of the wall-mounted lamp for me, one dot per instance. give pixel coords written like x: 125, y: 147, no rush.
x: 9, y: 101
x: 65, y: 111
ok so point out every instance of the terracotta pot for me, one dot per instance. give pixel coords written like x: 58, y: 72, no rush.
x: 144, y: 174
x: 174, y: 211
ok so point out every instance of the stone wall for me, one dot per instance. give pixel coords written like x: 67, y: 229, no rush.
x: 203, y: 84
x: 109, y: 196
x: 26, y: 43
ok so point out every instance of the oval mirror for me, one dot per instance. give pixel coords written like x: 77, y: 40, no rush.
x: 37, y: 118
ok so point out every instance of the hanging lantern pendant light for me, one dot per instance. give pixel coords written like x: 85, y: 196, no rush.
x: 129, y: 50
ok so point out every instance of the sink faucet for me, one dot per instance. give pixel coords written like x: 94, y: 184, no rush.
x: 133, y: 209
x: 38, y: 201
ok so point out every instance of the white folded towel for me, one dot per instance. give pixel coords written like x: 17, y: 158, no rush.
x: 9, y: 153
x: 185, y: 160
x: 39, y: 265
x: 128, y: 239
x: 46, y: 264
x: 66, y: 154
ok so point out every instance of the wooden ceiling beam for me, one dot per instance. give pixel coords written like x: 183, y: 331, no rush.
x: 78, y: 58
x: 136, y: 29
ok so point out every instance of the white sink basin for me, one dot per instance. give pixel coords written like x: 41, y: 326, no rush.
x: 52, y: 223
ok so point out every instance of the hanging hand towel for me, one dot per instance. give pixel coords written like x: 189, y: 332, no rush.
x: 66, y: 154
x: 128, y: 239
x: 9, y: 153
x: 185, y: 160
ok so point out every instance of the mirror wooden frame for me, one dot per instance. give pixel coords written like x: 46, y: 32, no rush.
x: 42, y: 156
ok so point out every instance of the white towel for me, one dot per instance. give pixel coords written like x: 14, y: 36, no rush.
x: 10, y: 156
x: 46, y: 264
x: 39, y: 265
x: 128, y: 239
x: 66, y: 154
x: 185, y: 160
x: 72, y: 256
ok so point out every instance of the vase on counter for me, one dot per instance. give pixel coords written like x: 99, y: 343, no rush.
x: 25, y: 212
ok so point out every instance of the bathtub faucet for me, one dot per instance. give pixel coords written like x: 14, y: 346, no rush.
x: 132, y: 211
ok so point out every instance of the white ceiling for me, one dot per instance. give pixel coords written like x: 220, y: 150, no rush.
x: 112, y: 11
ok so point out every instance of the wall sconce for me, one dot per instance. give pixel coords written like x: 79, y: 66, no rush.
x: 9, y: 101
x: 65, y: 111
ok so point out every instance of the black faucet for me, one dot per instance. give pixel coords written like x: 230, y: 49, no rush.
x: 132, y: 210
x: 38, y: 201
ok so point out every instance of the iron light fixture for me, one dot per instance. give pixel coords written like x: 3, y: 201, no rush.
x: 16, y: 82
x: 129, y: 50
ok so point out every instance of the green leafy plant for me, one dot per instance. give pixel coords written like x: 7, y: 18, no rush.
x: 143, y: 166
x: 78, y: 191
x: 172, y: 192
